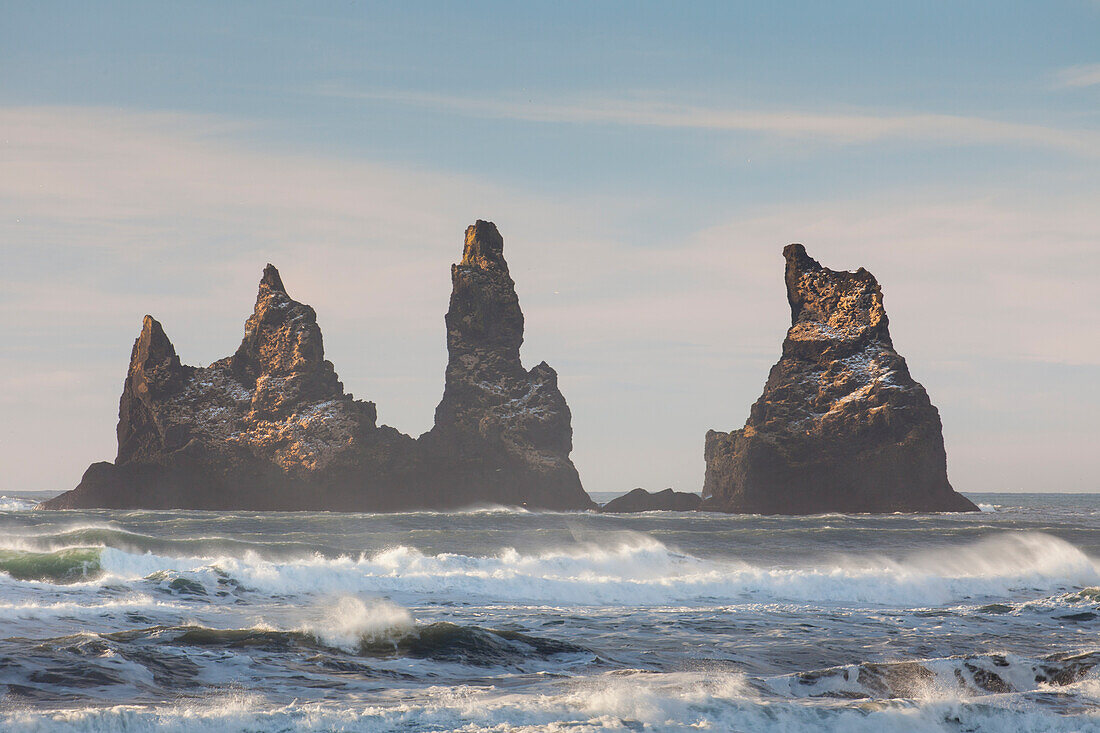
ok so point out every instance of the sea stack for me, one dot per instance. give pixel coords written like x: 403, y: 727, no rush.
x: 841, y: 425
x: 502, y: 433
x: 270, y: 428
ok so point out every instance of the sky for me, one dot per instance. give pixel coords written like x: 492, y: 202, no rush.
x: 645, y: 162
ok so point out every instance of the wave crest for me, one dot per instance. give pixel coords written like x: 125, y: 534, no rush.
x: 350, y: 622
x: 61, y: 566
x: 635, y: 570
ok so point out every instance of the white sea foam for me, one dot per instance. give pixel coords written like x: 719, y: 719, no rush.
x: 46, y: 610
x: 643, y: 571
x: 937, y: 679
x: 475, y: 509
x: 16, y: 504
x: 611, y: 702
x: 348, y: 621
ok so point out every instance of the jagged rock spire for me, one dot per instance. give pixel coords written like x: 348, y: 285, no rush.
x: 484, y: 320
x: 155, y: 373
x: 270, y: 426
x: 271, y: 279
x: 484, y: 247
x: 497, y: 422
x: 152, y: 350
x: 282, y: 352
x: 841, y: 425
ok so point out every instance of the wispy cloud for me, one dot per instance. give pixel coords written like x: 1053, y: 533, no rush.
x: 1083, y: 75
x: 847, y: 128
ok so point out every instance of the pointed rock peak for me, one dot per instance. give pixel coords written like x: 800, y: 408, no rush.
x: 152, y: 346
x: 152, y: 326
x: 271, y: 280
x: 282, y: 339
x: 484, y: 246
x: 153, y: 341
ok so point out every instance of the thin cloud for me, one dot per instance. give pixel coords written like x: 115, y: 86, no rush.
x: 830, y: 128
x: 1083, y: 75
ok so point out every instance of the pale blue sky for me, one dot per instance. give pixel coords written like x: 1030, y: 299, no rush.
x: 645, y: 162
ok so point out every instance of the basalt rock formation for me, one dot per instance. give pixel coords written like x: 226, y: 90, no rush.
x: 267, y: 428
x: 841, y: 425
x: 498, y: 424
x: 270, y: 428
x: 640, y: 500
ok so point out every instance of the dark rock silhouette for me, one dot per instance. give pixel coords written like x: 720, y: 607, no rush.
x: 270, y: 428
x: 841, y: 425
x: 640, y: 500
x: 499, y: 427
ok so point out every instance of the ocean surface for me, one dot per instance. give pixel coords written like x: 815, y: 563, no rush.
x: 505, y: 620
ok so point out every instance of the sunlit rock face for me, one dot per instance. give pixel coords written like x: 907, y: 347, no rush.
x: 502, y: 433
x: 271, y: 428
x: 267, y: 428
x: 841, y: 425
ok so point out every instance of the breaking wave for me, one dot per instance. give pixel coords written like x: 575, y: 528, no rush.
x: 100, y: 535
x: 637, y: 571
x: 16, y: 504
x: 352, y: 626
x: 61, y: 566
x: 206, y: 621
x: 350, y: 622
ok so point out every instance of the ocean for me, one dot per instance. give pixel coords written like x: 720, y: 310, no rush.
x: 505, y: 620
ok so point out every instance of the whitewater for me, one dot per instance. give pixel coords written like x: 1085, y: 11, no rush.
x: 496, y: 619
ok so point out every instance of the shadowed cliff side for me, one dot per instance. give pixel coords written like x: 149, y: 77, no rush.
x: 270, y: 428
x: 502, y: 433
x: 841, y: 425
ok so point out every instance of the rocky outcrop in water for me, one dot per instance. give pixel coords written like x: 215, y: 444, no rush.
x: 841, y: 425
x: 270, y: 428
x: 640, y: 500
x: 498, y: 424
x: 267, y: 428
